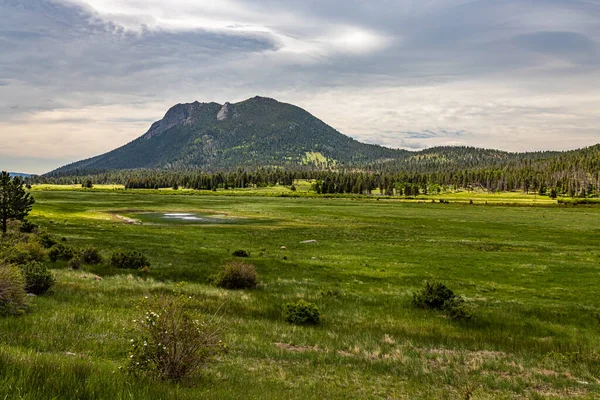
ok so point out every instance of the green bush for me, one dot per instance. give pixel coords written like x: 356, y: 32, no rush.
x: 45, y: 240
x: 437, y: 296
x: 302, y: 313
x: 75, y: 263
x: 456, y: 308
x: 61, y: 252
x: 433, y: 296
x: 240, y: 253
x: 129, y: 260
x: 91, y: 255
x: 27, y: 227
x: 236, y: 275
x: 24, y: 252
x: 12, y: 291
x: 38, y: 279
x: 172, y: 340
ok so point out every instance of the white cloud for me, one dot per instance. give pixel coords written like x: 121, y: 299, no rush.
x: 515, y: 75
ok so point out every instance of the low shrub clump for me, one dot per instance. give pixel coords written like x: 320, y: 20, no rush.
x: 38, y: 279
x: 236, y: 275
x: 27, y: 227
x: 302, y: 313
x: 172, y: 340
x: 45, y: 240
x: 24, y: 252
x: 75, y: 263
x: 129, y: 260
x: 12, y: 291
x: 61, y: 252
x: 437, y: 296
x: 240, y: 253
x: 91, y: 255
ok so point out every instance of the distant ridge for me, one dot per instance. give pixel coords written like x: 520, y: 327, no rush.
x: 20, y: 174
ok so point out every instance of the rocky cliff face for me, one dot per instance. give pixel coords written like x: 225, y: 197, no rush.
x: 226, y: 112
x: 178, y: 114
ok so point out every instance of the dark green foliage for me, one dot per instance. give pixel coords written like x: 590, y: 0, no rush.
x: 90, y: 255
x: 15, y: 202
x: 87, y: 184
x: 129, y: 260
x: 24, y: 252
x: 301, y: 313
x: 240, y: 253
x: 38, y: 279
x: 45, y: 240
x: 12, y: 291
x: 27, y: 227
x: 456, y: 308
x: 433, y: 296
x: 61, y: 252
x: 437, y: 296
x: 75, y: 263
x: 236, y: 275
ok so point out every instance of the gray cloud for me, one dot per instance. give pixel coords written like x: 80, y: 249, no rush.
x: 512, y: 74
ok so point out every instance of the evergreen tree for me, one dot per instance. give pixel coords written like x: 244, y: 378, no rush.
x: 15, y: 202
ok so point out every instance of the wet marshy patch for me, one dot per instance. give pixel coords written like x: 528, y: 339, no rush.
x: 188, y: 218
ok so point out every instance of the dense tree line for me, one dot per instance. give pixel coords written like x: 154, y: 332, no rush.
x: 574, y: 173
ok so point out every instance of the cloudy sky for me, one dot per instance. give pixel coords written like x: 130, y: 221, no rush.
x: 81, y: 77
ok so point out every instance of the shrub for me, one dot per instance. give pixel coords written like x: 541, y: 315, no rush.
x: 45, y: 240
x: 240, y: 253
x: 91, y: 255
x: 172, y: 341
x: 38, y: 279
x: 12, y: 291
x: 129, y: 260
x: 302, y: 313
x: 456, y: 308
x: 27, y: 227
x: 437, y: 296
x: 433, y: 296
x: 24, y: 252
x: 236, y: 275
x: 61, y: 252
x: 75, y: 263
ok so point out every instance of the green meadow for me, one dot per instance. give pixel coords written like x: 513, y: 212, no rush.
x: 530, y: 274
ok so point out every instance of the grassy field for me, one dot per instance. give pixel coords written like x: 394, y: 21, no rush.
x: 530, y: 274
x: 303, y: 189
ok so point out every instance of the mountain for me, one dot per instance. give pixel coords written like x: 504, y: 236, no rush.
x: 256, y: 132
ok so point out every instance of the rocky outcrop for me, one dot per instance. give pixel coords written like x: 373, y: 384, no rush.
x: 226, y: 112
x: 178, y: 114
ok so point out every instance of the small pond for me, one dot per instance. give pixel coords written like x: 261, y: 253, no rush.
x: 186, y: 218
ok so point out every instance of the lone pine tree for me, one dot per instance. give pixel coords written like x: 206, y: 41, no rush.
x: 15, y: 202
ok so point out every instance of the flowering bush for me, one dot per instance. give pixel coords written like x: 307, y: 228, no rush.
x: 173, y: 341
